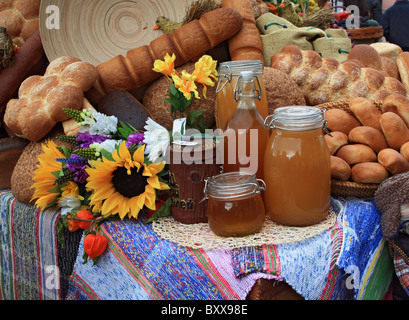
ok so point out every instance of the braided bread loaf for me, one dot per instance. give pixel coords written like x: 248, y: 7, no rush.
x: 325, y: 79
x: 42, y: 98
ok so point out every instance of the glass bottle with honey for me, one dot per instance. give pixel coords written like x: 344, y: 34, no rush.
x: 246, y: 136
x: 229, y: 73
x: 297, y: 168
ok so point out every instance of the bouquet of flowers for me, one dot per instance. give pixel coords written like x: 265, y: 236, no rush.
x: 102, y: 172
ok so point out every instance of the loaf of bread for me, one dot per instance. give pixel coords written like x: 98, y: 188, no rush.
x: 393, y: 161
x: 394, y: 129
x: 187, y: 42
x: 125, y: 107
x: 245, y: 44
x: 404, y: 150
x: 336, y: 140
x: 369, y: 172
x: 403, y: 65
x: 369, y: 57
x: 340, y: 120
x: 42, y: 98
x: 340, y: 170
x: 368, y: 136
x: 10, y: 151
x: 398, y: 104
x: 387, y: 49
x: 324, y: 79
x: 366, y: 112
x: 26, y: 58
x: 356, y: 153
x: 20, y: 17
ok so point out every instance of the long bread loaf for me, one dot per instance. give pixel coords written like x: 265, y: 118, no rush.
x: 188, y: 42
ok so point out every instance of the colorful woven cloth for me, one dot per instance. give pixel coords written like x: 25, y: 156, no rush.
x: 140, y: 265
x: 33, y: 266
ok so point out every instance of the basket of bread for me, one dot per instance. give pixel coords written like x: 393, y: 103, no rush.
x: 368, y: 143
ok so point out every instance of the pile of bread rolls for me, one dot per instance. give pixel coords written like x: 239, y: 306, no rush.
x: 369, y: 142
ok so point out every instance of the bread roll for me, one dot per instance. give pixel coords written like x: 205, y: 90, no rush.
x: 340, y: 170
x: 366, y: 112
x: 404, y: 150
x: 356, y: 153
x: 368, y: 136
x: 394, y: 129
x: 403, y: 66
x: 335, y: 141
x: 399, y: 104
x: 369, y: 172
x: 387, y: 49
x: 393, y: 161
x: 340, y: 120
x: 390, y: 68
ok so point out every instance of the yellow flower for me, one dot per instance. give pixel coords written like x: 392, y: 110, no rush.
x: 125, y: 184
x: 45, y: 192
x: 186, y: 84
x: 167, y: 67
x: 205, y: 71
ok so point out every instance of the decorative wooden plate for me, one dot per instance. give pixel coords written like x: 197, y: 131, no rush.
x: 98, y: 30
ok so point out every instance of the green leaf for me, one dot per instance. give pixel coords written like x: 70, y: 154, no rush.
x: 60, y: 232
x: 163, y: 211
x: 107, y: 155
x: 192, y: 116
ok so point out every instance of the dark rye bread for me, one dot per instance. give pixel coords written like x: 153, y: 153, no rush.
x: 11, y: 149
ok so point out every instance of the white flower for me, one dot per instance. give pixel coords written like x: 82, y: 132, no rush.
x: 99, y: 124
x: 69, y: 203
x: 157, y: 141
x: 108, y: 145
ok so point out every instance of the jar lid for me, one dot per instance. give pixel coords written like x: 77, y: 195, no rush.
x: 236, y: 67
x: 232, y: 185
x: 297, y: 118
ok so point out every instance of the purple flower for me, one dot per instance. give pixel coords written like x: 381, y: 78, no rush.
x: 87, y: 139
x: 77, y: 165
x: 135, y: 138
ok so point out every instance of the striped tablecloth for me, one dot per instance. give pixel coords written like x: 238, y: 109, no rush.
x: 348, y: 261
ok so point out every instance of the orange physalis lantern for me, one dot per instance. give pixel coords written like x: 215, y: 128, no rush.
x: 84, y: 215
x: 94, y: 245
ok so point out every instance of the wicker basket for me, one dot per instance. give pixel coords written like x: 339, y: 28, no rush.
x: 350, y: 188
x: 366, y: 33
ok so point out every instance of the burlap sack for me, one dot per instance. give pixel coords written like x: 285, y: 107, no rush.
x: 277, y: 32
x: 335, y: 45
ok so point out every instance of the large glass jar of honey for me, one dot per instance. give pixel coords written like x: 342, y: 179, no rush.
x: 226, y: 102
x: 246, y: 135
x: 297, y: 167
x: 235, y: 207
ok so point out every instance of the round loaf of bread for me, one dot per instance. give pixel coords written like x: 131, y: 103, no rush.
x: 10, y: 151
x: 356, y: 153
x: 394, y: 129
x: 340, y: 120
x: 369, y: 172
x: 368, y: 136
x: 387, y: 49
x: 393, y: 161
x: 398, y: 104
x: 340, y: 170
x: 366, y: 55
x: 335, y: 141
x: 366, y: 112
x: 404, y: 150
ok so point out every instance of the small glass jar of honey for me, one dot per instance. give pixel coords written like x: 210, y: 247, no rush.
x: 297, y: 168
x: 235, y: 207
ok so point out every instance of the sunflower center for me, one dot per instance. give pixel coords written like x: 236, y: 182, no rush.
x: 129, y: 185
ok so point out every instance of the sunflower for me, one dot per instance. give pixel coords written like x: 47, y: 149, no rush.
x: 46, y: 190
x: 125, y: 183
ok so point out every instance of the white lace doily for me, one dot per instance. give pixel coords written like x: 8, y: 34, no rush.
x: 199, y: 235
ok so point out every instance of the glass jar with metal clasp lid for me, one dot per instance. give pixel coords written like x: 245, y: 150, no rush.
x: 297, y: 167
x: 235, y: 207
x: 226, y: 98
